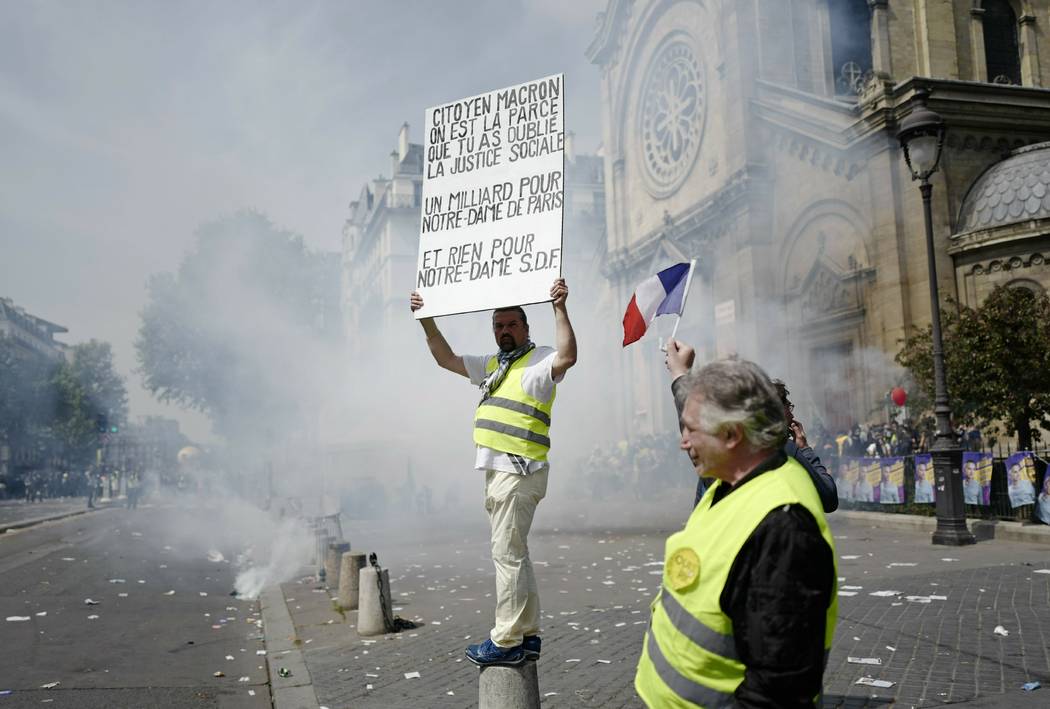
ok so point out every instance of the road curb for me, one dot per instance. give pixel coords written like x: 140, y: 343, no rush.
x: 282, y: 650
x: 982, y: 528
x: 22, y: 524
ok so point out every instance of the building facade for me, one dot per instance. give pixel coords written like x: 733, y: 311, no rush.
x: 759, y: 137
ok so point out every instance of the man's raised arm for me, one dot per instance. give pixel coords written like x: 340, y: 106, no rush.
x: 439, y: 347
x: 564, y: 337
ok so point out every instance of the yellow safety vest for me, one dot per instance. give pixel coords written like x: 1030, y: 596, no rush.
x: 689, y: 657
x: 512, y: 421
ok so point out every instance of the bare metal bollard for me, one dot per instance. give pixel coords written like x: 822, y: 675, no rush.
x: 332, y: 561
x: 350, y: 578
x: 373, y: 609
x: 502, y: 687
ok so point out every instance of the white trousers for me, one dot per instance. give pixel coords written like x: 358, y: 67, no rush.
x: 511, y: 500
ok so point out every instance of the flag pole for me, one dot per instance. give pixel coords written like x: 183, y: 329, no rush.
x: 685, y: 296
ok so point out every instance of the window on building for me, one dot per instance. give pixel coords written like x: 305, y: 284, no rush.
x: 850, y: 44
x: 1001, y: 51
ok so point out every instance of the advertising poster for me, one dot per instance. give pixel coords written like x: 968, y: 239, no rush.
x: 493, y: 185
x: 891, y: 484
x: 869, y: 477
x: 977, y: 478
x: 1020, y: 479
x: 924, y: 482
x: 845, y: 479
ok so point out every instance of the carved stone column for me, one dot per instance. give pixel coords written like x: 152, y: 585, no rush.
x: 1030, y: 75
x: 881, y: 62
x: 979, y: 62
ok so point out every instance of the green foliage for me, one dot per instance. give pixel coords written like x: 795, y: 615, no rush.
x: 87, y: 385
x: 997, y: 362
x: 46, y: 405
x: 225, y: 334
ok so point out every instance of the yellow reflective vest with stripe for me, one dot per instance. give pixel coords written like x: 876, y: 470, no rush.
x: 689, y: 656
x: 512, y: 421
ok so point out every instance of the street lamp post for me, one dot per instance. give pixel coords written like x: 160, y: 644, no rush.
x: 921, y: 136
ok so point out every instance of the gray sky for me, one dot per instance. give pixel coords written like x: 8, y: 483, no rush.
x: 124, y: 126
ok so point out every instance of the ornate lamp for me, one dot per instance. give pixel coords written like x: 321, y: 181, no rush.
x: 921, y: 136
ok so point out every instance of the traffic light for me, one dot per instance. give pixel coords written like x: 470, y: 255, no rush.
x: 114, y: 428
x: 101, y: 423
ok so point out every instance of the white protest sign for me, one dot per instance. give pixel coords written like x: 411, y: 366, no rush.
x: 493, y: 186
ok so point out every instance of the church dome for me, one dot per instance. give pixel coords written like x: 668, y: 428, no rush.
x: 1014, y: 190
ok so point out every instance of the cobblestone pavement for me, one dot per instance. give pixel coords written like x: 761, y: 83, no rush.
x: 933, y: 634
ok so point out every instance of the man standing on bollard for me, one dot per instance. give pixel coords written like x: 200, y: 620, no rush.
x: 746, y: 610
x: 511, y: 430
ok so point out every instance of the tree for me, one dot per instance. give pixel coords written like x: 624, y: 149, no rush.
x: 233, y: 333
x: 997, y: 362
x: 85, y: 386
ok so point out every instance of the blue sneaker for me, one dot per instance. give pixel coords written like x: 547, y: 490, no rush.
x: 489, y: 653
x: 531, y: 644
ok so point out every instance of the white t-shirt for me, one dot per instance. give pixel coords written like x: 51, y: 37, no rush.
x: 537, y: 381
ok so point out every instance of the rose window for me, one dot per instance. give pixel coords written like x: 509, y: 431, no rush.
x: 671, y: 117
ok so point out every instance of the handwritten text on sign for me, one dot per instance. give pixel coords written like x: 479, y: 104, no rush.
x: 493, y: 187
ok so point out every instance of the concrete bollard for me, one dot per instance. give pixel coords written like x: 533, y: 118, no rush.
x: 319, y: 554
x: 371, y: 611
x: 350, y: 578
x: 332, y: 561
x: 509, y: 687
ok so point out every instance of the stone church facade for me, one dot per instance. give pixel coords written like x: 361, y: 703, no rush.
x: 759, y: 137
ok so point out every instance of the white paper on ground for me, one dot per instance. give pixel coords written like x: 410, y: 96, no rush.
x: 1000, y: 630
x: 864, y: 660
x: 869, y: 682
x: 885, y: 593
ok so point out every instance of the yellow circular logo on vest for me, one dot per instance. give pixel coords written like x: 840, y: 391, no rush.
x: 683, y: 568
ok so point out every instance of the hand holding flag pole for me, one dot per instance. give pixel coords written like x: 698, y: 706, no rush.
x: 662, y: 294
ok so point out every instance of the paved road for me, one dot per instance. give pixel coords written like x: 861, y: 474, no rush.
x: 147, y: 647
x: 19, y: 510
x: 597, y: 579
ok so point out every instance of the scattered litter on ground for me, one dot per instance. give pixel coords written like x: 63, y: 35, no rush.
x: 948, y: 558
x: 852, y: 588
x: 215, y: 556
x: 89, y: 602
x: 847, y: 593
x: 284, y: 672
x: 244, y: 679
x: 260, y: 652
x: 885, y: 593
x: 1000, y: 630
x: 901, y: 563
x: 412, y: 675
x: 220, y: 673
x: 17, y: 618
x: 251, y: 692
x: 1031, y: 686
x: 849, y: 557
x: 891, y: 648
x: 870, y: 682
x: 5, y: 692
x: 604, y: 662
x: 50, y: 685
x: 117, y: 581
x: 170, y: 593
x: 41, y: 614
x: 92, y: 617
x: 864, y: 660
x: 575, y: 659
x: 1041, y: 571
x: 229, y: 657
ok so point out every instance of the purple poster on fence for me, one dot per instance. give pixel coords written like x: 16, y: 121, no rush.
x: 924, y: 478
x: 977, y: 478
x: 1020, y: 479
x: 891, y: 483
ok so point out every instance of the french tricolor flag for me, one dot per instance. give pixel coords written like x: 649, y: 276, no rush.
x: 662, y: 294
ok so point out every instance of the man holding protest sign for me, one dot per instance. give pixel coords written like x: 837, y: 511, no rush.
x: 511, y: 431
